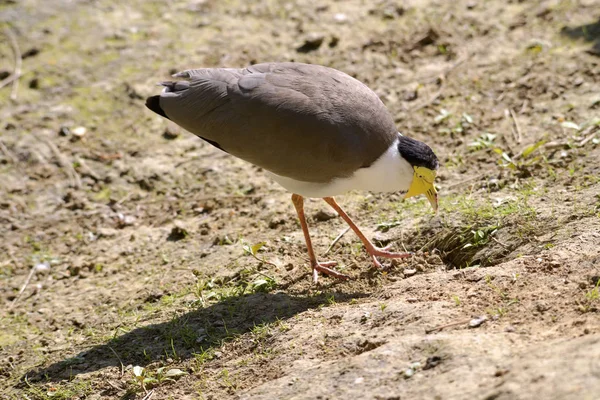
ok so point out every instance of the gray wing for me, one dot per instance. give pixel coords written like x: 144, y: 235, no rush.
x: 306, y: 122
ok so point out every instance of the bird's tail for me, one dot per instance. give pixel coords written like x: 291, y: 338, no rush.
x: 171, y: 89
x: 153, y: 103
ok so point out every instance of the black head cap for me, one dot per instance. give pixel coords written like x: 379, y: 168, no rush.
x: 418, y: 154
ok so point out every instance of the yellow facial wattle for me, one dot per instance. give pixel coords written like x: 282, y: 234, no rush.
x: 423, y: 179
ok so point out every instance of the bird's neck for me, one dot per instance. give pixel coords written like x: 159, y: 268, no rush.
x: 389, y: 173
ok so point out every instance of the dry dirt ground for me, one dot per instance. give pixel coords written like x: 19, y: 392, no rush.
x: 126, y: 242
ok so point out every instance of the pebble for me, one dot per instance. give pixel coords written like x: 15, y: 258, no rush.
x: 408, y: 272
x: 476, y: 322
x: 79, y: 131
x: 323, y: 215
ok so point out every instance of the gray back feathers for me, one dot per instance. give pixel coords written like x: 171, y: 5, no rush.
x: 302, y: 121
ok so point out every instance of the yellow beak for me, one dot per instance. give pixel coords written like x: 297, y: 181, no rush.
x: 433, y: 198
x: 423, y: 184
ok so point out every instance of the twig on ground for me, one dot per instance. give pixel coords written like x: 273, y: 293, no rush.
x: 125, y: 198
x: 113, y: 385
x: 439, y: 328
x: 62, y: 161
x: 34, y: 269
x: 589, y: 134
x: 14, y: 77
x: 443, y: 77
x: 7, y: 153
x: 499, y: 242
x: 433, y: 98
x: 517, y: 127
x: 120, y: 362
x: 462, y: 182
x: 149, y: 395
x: 337, y: 239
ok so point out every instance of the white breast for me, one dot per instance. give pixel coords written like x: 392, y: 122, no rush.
x: 390, y: 173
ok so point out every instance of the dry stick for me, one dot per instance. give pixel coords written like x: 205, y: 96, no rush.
x: 7, y: 153
x: 443, y: 76
x: 499, y: 242
x: 433, y: 98
x: 473, y: 178
x: 120, y: 362
x: 31, y: 273
x: 71, y: 173
x: 439, y: 328
x: 18, y: 62
x: 8, y: 80
x: 149, y: 395
x: 591, y: 132
x: 337, y: 239
x: 113, y: 385
x: 517, y: 127
x: 125, y: 198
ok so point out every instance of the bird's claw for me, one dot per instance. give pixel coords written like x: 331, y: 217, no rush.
x: 323, y: 267
x: 383, y: 252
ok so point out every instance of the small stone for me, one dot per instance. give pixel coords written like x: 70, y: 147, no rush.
x: 34, y: 83
x: 365, y: 317
x: 432, y: 362
x: 311, y: 43
x: 79, y: 131
x: 177, y: 233
x: 409, y: 373
x: 408, y: 272
x: 106, y: 232
x: 541, y: 306
x: 64, y: 131
x: 476, y: 322
x: 170, y: 134
x: 78, y: 322
x: 276, y: 222
x: 125, y: 220
x: 340, y: 18
x: 322, y: 215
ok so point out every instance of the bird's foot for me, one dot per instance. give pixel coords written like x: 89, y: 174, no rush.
x: 385, y: 253
x: 324, y: 268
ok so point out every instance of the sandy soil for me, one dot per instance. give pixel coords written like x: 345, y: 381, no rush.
x: 144, y: 241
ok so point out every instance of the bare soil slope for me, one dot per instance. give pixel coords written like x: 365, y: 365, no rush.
x: 126, y: 242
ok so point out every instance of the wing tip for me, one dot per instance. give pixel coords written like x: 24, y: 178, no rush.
x: 182, y: 74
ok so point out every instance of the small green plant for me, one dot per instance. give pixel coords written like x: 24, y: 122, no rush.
x: 592, y: 297
x: 456, y: 299
x: 253, y: 252
x: 522, y: 160
x: 203, y: 357
x: 481, y: 236
x: 144, y: 377
x: 484, y: 141
x: 331, y: 299
x: 264, y: 284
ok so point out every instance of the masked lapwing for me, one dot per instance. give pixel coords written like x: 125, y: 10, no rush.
x: 317, y: 131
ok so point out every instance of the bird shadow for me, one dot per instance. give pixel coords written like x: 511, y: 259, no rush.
x: 186, y: 336
x: 588, y: 32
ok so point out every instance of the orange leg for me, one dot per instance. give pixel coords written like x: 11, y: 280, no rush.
x: 370, y: 247
x: 316, y: 266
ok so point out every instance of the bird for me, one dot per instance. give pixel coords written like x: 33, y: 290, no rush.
x: 315, y: 130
